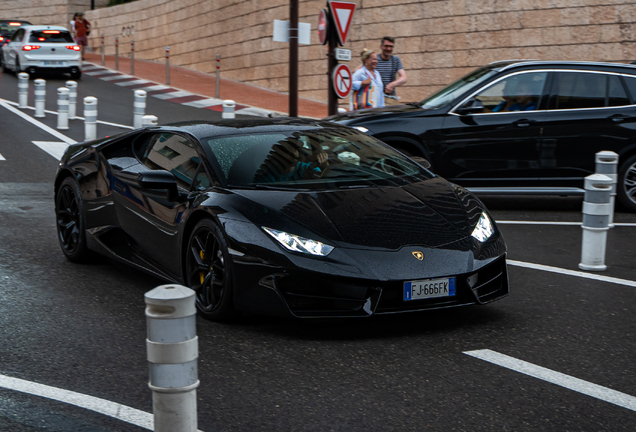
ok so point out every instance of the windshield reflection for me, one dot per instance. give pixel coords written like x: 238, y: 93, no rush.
x: 456, y: 89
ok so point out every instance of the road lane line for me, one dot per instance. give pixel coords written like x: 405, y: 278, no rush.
x: 553, y: 223
x: 572, y: 273
x: 569, y: 382
x: 33, y: 121
x: 55, y: 149
x: 102, y: 406
x: 2, y: 157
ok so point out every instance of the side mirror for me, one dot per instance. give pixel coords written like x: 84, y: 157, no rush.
x: 159, y: 180
x: 472, y: 106
x: 421, y: 161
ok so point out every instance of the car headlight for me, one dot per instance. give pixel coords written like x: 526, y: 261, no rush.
x: 296, y: 243
x: 361, y: 129
x: 484, y: 228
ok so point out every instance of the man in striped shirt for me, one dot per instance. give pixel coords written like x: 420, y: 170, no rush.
x: 390, y: 69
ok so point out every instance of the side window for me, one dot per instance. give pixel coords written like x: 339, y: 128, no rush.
x: 170, y: 152
x: 579, y: 90
x: 520, y: 92
x: 17, y: 36
x: 616, y: 95
x: 631, y: 86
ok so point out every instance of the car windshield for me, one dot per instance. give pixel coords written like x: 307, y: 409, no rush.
x: 8, y: 27
x: 51, y: 36
x: 456, y: 89
x: 311, y: 159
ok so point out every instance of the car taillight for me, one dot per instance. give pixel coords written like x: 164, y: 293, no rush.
x: 1, y: 38
x: 30, y: 47
x: 73, y: 47
x: 51, y: 31
x: 15, y: 24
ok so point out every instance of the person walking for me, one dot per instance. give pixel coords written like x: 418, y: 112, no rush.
x: 82, y: 29
x: 367, y: 83
x: 390, y: 69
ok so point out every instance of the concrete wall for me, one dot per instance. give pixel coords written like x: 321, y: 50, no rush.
x: 437, y: 40
x: 40, y: 12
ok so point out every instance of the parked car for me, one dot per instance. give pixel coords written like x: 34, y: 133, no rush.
x: 517, y: 127
x: 7, y: 28
x: 285, y: 217
x: 37, y: 49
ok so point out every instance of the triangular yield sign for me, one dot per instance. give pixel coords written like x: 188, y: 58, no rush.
x: 342, y: 13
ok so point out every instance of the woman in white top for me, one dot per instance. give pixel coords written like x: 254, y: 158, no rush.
x: 367, y: 75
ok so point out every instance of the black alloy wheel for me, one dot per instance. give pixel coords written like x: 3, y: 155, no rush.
x: 209, y: 271
x: 69, y: 215
x: 626, y: 184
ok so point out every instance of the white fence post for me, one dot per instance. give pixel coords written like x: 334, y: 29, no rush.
x: 228, y: 109
x: 173, y: 352
x: 72, y: 99
x: 23, y: 89
x: 40, y: 96
x: 139, y: 108
x: 596, y: 213
x: 607, y: 164
x: 90, y: 118
x: 149, y: 120
x: 62, y: 108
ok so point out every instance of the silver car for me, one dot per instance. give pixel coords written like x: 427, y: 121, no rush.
x: 42, y: 48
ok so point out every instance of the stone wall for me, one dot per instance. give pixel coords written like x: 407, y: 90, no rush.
x: 437, y: 40
x: 41, y: 12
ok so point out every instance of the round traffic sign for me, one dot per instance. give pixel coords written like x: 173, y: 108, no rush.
x: 342, y: 80
x: 323, y: 26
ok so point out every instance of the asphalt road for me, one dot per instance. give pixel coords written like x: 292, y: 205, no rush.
x: 82, y: 327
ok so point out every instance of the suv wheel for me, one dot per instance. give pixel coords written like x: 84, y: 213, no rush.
x: 626, y: 184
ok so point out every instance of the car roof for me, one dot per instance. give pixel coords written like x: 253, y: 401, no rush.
x: 510, y: 64
x: 204, y: 129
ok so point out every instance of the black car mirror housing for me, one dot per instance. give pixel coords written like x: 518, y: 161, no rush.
x: 472, y: 106
x: 161, y: 180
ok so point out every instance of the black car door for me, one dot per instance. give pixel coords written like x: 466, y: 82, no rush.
x: 589, y: 111
x: 146, y: 215
x: 497, y: 146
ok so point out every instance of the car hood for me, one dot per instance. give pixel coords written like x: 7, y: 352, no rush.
x: 371, y: 112
x: 430, y: 213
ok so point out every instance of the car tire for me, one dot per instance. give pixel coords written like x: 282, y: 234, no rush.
x: 70, y: 222
x: 76, y: 74
x: 626, y: 184
x: 209, y: 271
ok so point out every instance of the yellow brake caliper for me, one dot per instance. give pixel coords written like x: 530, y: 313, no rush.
x: 202, y: 275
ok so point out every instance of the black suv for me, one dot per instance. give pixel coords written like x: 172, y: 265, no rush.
x: 516, y: 127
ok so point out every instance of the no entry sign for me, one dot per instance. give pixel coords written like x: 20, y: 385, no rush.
x: 342, y: 80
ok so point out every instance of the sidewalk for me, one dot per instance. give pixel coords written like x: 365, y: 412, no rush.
x: 205, y: 85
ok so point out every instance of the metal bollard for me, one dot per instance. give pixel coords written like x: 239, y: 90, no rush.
x: 607, y: 163
x: 116, y: 52
x: 40, y: 96
x: 218, y: 76
x: 148, y: 121
x: 102, y: 48
x: 72, y: 99
x: 228, y: 109
x: 596, y: 211
x: 23, y: 89
x: 167, y: 65
x: 62, y: 108
x: 173, y: 352
x: 139, y: 108
x: 132, y: 57
x: 90, y: 118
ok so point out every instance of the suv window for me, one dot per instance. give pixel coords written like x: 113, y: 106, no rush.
x: 17, y: 37
x: 631, y: 86
x: 51, y: 36
x: 519, y: 92
x: 575, y: 90
x: 171, y: 152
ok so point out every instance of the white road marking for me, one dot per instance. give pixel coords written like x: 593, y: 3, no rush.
x: 204, y: 103
x: 156, y: 87
x: 102, y: 406
x: 171, y: 95
x: 55, y: 149
x: 572, y: 273
x: 115, y: 77
x: 135, y: 82
x: 2, y: 157
x: 567, y: 381
x: 554, y: 223
x: 33, y: 121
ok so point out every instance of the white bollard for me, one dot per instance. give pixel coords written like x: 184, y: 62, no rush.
x: 23, y: 89
x: 228, y: 109
x: 596, y: 211
x: 72, y: 99
x: 148, y: 121
x: 90, y: 118
x: 62, y: 108
x: 40, y: 96
x: 173, y: 352
x: 139, y: 108
x: 607, y: 164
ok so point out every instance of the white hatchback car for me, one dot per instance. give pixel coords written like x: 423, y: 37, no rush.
x: 42, y: 48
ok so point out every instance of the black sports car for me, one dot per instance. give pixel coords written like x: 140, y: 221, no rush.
x: 284, y: 217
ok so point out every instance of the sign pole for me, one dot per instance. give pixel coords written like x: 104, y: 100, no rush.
x: 293, y: 58
x: 332, y: 36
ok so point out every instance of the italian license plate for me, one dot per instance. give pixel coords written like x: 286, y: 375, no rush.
x: 53, y: 63
x: 429, y: 288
